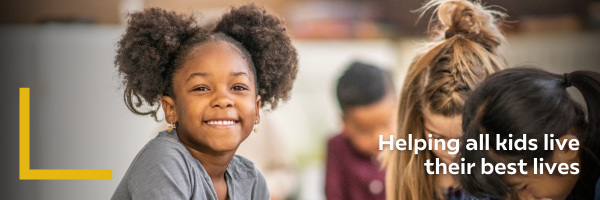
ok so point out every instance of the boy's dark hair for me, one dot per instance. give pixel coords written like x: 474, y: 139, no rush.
x: 157, y: 42
x: 531, y: 101
x: 363, y: 84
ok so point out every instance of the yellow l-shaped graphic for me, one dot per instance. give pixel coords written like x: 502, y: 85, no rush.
x: 25, y: 173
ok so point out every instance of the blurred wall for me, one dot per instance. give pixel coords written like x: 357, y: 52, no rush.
x: 108, y: 11
x: 39, y: 11
x: 384, y: 18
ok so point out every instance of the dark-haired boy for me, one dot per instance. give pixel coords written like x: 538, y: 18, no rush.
x: 367, y: 98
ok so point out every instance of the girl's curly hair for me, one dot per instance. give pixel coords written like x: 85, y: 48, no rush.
x: 156, y: 44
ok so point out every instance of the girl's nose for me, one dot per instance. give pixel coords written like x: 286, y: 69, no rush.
x: 222, y: 100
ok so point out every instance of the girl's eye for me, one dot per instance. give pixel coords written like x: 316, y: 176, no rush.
x: 200, y: 89
x: 238, y: 88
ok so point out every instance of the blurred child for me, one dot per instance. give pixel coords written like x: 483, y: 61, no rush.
x: 211, y: 83
x: 368, y: 101
x: 464, y: 51
x: 529, y: 102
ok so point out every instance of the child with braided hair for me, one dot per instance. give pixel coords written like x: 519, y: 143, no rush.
x: 211, y: 84
x: 464, y: 51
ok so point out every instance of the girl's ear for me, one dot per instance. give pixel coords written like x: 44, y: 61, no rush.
x: 566, y: 155
x: 257, y: 107
x: 169, y: 108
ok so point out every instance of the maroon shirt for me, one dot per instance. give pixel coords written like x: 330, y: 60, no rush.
x: 351, y: 175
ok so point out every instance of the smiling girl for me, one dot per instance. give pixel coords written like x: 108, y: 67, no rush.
x: 211, y: 84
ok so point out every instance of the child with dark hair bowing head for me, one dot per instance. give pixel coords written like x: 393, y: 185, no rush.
x: 532, y: 103
x: 366, y: 96
x: 210, y: 83
x: 465, y: 51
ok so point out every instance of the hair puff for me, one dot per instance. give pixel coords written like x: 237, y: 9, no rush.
x: 267, y: 41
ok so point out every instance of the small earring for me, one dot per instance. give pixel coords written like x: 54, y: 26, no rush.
x: 255, y: 128
x: 171, y: 127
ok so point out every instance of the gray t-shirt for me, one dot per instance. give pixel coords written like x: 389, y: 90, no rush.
x: 165, y: 169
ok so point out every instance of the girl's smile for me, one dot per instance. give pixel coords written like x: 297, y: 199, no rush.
x: 222, y: 123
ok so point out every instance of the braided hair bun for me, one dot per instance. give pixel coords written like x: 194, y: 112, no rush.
x: 471, y: 21
x: 466, y: 52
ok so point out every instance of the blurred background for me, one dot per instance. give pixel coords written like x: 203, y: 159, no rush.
x: 64, y: 51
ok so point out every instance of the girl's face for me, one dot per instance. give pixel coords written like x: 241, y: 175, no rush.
x: 215, y: 102
x: 541, y: 186
x: 445, y: 128
x: 554, y: 186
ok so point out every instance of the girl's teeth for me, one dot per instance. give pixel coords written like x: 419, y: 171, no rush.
x: 221, y: 122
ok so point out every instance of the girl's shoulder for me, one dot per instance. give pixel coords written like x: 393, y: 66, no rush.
x: 242, y: 168
x: 247, y: 179
x: 163, y: 169
x: 164, y: 155
x: 164, y: 149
